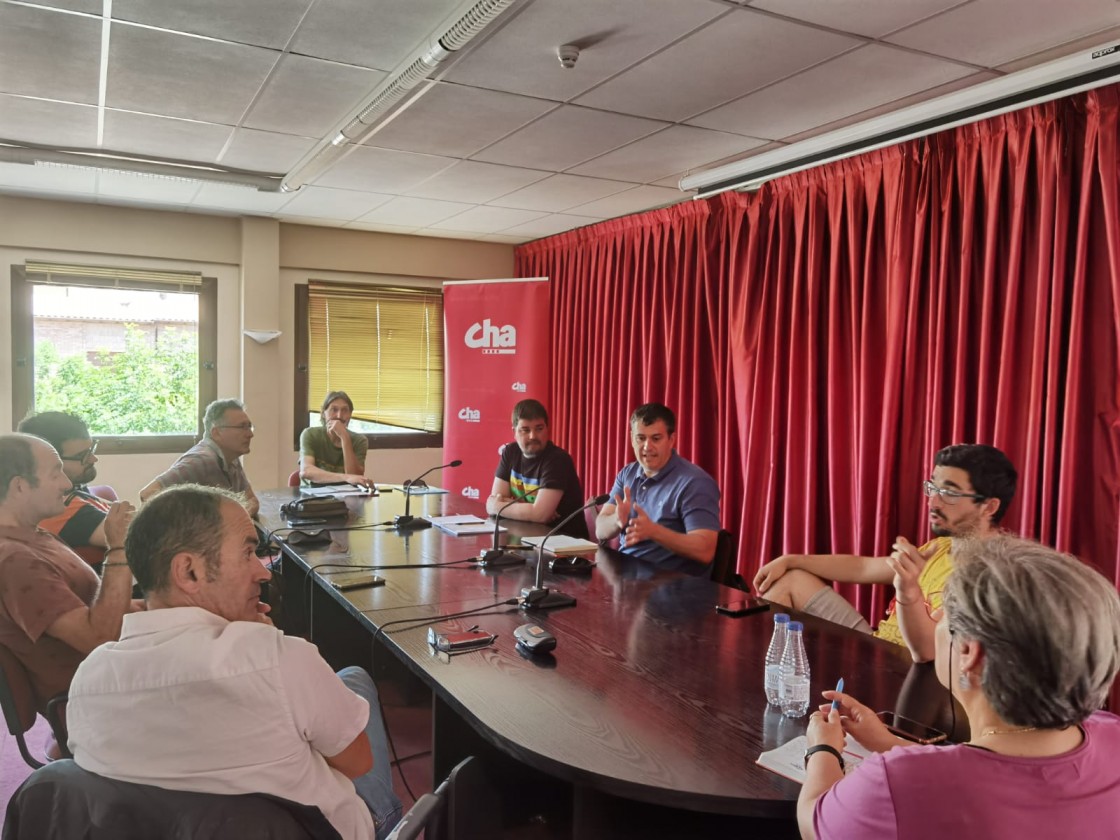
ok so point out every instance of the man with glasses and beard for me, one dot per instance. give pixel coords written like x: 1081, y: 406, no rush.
x: 81, y: 525
x: 968, y: 495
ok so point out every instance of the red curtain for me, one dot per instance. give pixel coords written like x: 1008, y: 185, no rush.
x: 822, y: 338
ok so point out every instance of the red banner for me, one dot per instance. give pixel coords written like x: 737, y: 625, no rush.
x: 497, y: 353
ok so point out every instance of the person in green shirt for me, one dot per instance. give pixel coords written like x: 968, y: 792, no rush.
x: 330, y: 453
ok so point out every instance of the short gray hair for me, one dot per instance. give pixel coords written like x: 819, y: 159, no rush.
x: 216, y: 411
x: 17, y: 460
x: 1048, y: 623
x: 186, y: 517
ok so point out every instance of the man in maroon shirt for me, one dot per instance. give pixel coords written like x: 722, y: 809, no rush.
x: 53, y: 608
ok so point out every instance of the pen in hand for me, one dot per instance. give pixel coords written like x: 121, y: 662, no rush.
x: 839, y: 688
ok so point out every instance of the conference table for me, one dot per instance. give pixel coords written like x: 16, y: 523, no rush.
x: 648, y: 716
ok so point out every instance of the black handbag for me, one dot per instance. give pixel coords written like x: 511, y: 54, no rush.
x: 315, y: 507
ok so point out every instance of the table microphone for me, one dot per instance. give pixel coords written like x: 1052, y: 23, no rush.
x: 537, y: 597
x: 496, y: 556
x: 404, y: 522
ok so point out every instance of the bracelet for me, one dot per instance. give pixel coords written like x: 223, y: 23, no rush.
x: 106, y: 563
x: 113, y: 548
x: 824, y: 748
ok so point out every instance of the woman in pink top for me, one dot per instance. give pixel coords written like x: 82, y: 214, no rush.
x: 1029, y: 643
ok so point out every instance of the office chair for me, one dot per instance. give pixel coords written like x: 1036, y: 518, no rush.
x: 724, y: 570
x: 62, y: 801
x: 103, y: 491
x: 463, y: 807
x: 293, y: 479
x: 17, y: 699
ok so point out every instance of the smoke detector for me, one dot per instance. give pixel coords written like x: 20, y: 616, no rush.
x: 568, y: 55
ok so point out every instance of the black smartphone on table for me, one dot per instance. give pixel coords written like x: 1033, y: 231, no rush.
x: 743, y: 606
x: 354, y: 580
x: 911, y: 730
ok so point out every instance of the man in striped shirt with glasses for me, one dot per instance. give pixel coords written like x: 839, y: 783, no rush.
x: 968, y: 494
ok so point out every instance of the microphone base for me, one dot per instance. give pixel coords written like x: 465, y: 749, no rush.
x: 411, y: 523
x: 496, y: 557
x: 544, y: 599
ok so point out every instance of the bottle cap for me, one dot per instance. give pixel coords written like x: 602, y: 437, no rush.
x: 796, y: 625
x: 781, y: 618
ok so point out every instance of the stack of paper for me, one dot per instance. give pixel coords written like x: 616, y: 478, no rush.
x: 463, y: 524
x: 337, y: 490
x: 562, y: 546
x: 789, y: 759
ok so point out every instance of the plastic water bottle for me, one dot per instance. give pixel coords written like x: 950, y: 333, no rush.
x: 774, y: 657
x: 794, y: 686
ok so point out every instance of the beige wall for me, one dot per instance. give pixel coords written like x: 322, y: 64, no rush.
x: 257, y: 262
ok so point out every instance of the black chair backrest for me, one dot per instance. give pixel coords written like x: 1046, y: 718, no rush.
x: 724, y: 567
x: 62, y: 801
x: 463, y: 807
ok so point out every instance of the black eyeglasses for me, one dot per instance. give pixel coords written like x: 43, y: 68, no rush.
x: 243, y: 427
x: 950, y: 497
x: 84, y: 455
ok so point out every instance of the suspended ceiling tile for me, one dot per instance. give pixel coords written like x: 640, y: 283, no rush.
x: 143, y: 134
x: 134, y: 187
x: 50, y: 54
x: 560, y: 192
x: 994, y: 32
x: 378, y: 35
x: 264, y: 151
x: 326, y: 202
x: 382, y: 170
x: 636, y: 200
x: 309, y: 96
x: 449, y: 234
x: 567, y: 136
x: 1089, y: 43
x: 521, y: 56
x: 475, y: 183
x: 222, y: 81
x: 88, y: 6
x: 414, y: 212
x: 47, y: 123
x: 487, y: 220
x: 898, y: 104
x: 873, y: 18
x: 753, y: 51
x: 456, y: 120
x: 551, y: 225
x: 239, y: 199
x: 852, y: 83
x: 666, y: 152
x: 263, y: 23
x: 504, y: 238
x: 47, y: 180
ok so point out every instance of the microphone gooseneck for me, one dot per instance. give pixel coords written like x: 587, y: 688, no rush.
x: 496, y: 556
x: 539, y: 597
x: 407, y: 522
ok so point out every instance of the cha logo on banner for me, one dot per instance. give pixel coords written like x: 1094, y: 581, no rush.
x: 470, y: 492
x: 471, y: 415
x: 491, y: 340
x: 520, y: 387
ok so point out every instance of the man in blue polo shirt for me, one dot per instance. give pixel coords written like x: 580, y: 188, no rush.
x: 665, y: 507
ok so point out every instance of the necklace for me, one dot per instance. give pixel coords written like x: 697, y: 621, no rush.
x: 991, y: 730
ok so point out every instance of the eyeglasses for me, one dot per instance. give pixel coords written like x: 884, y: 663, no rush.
x: 949, y: 497
x: 244, y: 427
x: 82, y: 456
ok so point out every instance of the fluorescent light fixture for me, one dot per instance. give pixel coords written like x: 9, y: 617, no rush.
x: 472, y: 19
x: 138, y: 167
x: 1052, y: 80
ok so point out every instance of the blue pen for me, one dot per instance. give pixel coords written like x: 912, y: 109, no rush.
x: 839, y: 688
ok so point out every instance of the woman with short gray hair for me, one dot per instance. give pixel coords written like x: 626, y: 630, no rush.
x: 1029, y: 644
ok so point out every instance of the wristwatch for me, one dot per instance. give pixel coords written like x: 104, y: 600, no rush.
x: 824, y: 748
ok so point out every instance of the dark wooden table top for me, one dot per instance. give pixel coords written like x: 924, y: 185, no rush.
x: 650, y: 694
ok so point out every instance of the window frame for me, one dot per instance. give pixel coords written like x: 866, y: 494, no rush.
x: 23, y: 365
x: 302, y: 337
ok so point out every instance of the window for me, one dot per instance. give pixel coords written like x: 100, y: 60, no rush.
x: 131, y: 352
x: 381, y: 345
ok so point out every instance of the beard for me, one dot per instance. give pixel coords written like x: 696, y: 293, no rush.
x: 88, y: 475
